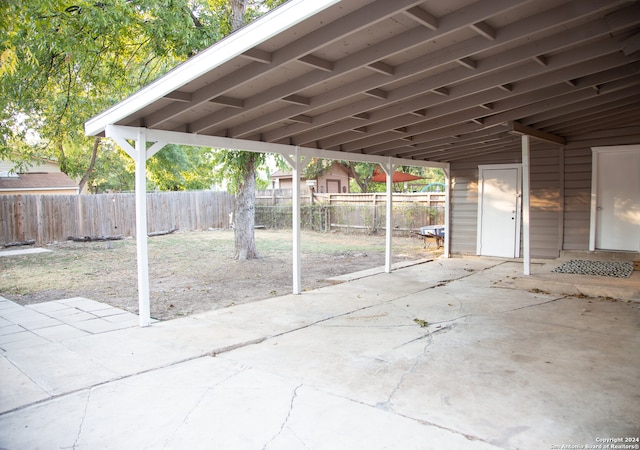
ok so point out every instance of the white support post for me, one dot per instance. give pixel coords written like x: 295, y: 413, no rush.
x: 297, y: 166
x: 526, y: 153
x: 447, y: 210
x: 297, y: 272
x: 144, y: 310
x: 389, y: 169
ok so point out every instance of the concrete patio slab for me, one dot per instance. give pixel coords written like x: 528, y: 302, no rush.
x: 446, y: 354
x: 24, y: 251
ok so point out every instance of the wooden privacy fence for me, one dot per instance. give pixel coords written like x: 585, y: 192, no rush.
x: 49, y: 218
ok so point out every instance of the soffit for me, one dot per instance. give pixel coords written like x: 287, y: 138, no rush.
x: 420, y: 80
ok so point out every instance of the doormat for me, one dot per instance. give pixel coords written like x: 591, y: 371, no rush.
x: 599, y: 268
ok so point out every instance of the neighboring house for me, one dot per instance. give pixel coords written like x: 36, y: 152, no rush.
x: 334, y: 181
x: 38, y: 183
x: 43, y: 178
x: 44, y: 165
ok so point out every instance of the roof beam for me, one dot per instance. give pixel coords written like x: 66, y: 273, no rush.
x: 224, y: 51
x: 537, y: 77
x: 343, y: 26
x: 422, y: 17
x: 380, y: 67
x: 255, y: 54
x: 540, y: 60
x: 462, y: 134
x: 468, y: 63
x: 456, y: 20
x: 441, y: 91
x: 228, y: 101
x: 518, y: 128
x: 200, y: 140
x: 301, y: 118
x: 482, y: 140
x: 377, y: 93
x: 297, y: 99
x: 540, y: 106
x: 317, y: 63
x: 583, y: 104
x: 631, y: 45
x: 586, y: 118
x: 484, y: 29
x: 528, y: 99
x: 565, y: 38
x: 178, y: 96
x: 616, y: 119
x: 618, y: 18
x: 497, y: 147
x: 171, y: 82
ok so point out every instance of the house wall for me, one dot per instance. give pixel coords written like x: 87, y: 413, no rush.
x: 560, y: 192
x: 546, y: 199
x: 577, y: 198
x: 334, y: 181
x: 43, y: 166
x: 577, y: 184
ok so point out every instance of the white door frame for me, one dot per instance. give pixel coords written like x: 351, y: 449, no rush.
x: 595, y: 152
x: 481, y: 169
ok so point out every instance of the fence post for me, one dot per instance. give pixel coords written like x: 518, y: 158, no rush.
x: 374, y: 216
x: 39, y: 220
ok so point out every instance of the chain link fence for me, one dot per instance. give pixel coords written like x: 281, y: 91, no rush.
x: 350, y: 218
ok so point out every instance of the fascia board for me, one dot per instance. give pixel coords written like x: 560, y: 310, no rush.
x: 251, y: 35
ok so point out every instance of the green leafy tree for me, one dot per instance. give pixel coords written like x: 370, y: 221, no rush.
x: 64, y: 61
x: 179, y: 168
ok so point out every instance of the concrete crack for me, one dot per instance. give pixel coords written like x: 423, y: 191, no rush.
x: 84, y: 416
x: 195, y: 406
x: 431, y: 333
x: 387, y: 405
x: 286, y: 419
x: 534, y: 305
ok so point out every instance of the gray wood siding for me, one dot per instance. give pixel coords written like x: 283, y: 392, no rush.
x: 546, y: 199
x: 577, y: 198
x: 577, y: 184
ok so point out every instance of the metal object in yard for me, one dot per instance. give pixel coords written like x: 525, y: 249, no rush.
x: 435, y: 232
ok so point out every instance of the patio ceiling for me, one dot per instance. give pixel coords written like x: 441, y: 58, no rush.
x: 419, y: 80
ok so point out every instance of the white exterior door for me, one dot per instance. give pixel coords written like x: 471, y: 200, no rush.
x: 615, y: 206
x: 499, y: 188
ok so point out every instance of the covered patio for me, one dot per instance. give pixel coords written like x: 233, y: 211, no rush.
x: 447, y: 354
x: 407, y: 82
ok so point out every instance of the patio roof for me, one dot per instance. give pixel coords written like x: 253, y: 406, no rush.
x: 418, y: 80
x: 412, y: 82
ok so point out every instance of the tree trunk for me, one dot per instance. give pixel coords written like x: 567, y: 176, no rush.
x: 244, y: 213
x: 238, y: 8
x: 362, y: 183
x: 92, y: 163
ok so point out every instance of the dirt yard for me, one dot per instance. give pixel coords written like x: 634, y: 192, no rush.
x: 192, y: 272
